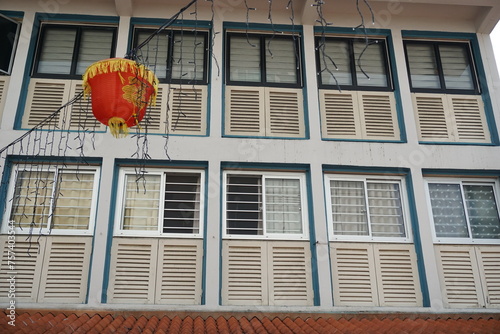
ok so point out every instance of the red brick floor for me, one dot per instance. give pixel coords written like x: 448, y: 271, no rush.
x: 34, y: 322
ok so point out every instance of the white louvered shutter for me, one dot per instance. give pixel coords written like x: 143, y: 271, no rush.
x: 285, y: 112
x: 245, y: 114
x: 378, y: 116
x: 459, y: 276
x: 45, y: 96
x: 244, y: 273
x: 488, y: 258
x: 27, y: 269
x: 453, y: 118
x: 81, y: 116
x: 339, y: 116
x: 179, y: 271
x: 290, y: 273
x: 469, y: 119
x: 155, y: 120
x: 4, y: 82
x: 188, y: 110
x: 65, y: 269
x: 132, y: 274
x: 353, y: 273
x: 397, y: 275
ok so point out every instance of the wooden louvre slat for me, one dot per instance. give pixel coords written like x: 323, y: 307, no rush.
x: 244, y: 273
x: 179, y: 272
x: 155, y: 120
x: 4, y: 82
x: 188, y: 110
x: 45, y: 96
x: 290, y: 281
x: 339, y: 116
x: 459, y: 275
x: 245, y: 111
x: 353, y: 273
x: 489, y: 266
x: 431, y: 117
x: 470, y: 123
x: 27, y: 268
x: 397, y: 276
x: 132, y: 276
x: 378, y: 118
x: 285, y: 112
x: 65, y: 271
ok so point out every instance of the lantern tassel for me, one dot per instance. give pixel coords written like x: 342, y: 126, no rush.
x: 118, y: 127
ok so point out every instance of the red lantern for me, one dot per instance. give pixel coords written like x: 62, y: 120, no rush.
x: 121, y: 90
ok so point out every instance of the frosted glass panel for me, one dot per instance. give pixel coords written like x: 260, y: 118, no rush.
x: 423, y: 66
x: 95, y: 45
x: 244, y: 59
x: 386, y: 213
x: 336, y: 53
x: 57, y: 51
x: 141, y: 205
x: 349, y: 208
x: 456, y: 68
x: 281, y: 60
x: 482, y: 211
x: 155, y: 53
x: 372, y: 63
x: 188, y: 56
x: 448, y: 210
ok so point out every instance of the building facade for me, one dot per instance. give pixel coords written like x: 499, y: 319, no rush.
x: 298, y: 158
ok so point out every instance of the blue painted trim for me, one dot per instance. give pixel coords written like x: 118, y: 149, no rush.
x: 13, y: 14
x: 160, y: 163
x: 312, y: 239
x: 30, y: 58
x: 406, y: 173
x: 263, y: 26
x: 461, y: 172
x: 424, y: 286
x: 221, y: 231
x: 264, y: 166
x: 145, y: 21
x: 481, y: 75
x: 353, y: 31
x: 109, y: 237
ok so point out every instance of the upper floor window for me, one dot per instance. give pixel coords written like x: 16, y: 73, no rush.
x: 264, y: 204
x: 366, y: 208
x: 176, y: 56
x: 263, y: 60
x: 9, y: 33
x: 53, y: 199
x: 352, y: 63
x: 440, y: 67
x: 464, y: 210
x: 161, y: 203
x: 65, y: 51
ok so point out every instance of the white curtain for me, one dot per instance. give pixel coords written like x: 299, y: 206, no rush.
x: 141, y: 203
x: 283, y: 209
x: 386, y: 213
x: 482, y: 211
x: 448, y: 210
x: 349, y: 208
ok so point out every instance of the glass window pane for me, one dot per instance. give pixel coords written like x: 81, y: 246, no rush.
x: 448, y: 210
x: 244, y: 205
x: 283, y: 209
x: 32, y: 199
x: 281, y: 60
x: 95, y: 45
x: 8, y: 39
x: 456, y: 67
x: 182, y: 203
x: 188, y: 56
x: 74, y: 201
x: 141, y: 204
x: 371, y: 62
x: 57, y: 51
x: 482, y: 211
x: 349, y: 208
x: 155, y: 53
x: 386, y: 211
x: 335, y: 53
x: 244, y: 59
x: 423, y: 66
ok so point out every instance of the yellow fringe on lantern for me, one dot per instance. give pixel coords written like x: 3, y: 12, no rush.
x: 118, y: 127
x: 120, y: 65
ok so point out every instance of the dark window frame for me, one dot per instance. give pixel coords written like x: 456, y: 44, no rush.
x: 352, y: 62
x: 171, y: 34
x: 76, y: 48
x: 443, y: 90
x: 263, y: 49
